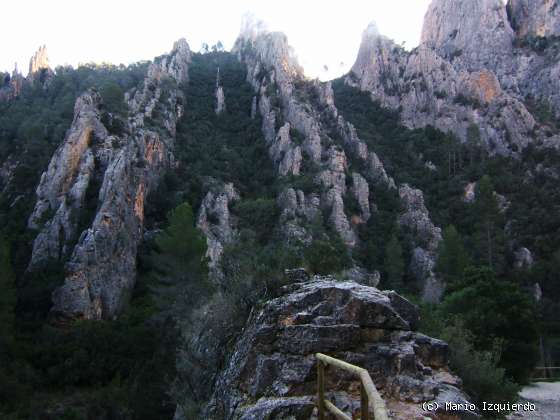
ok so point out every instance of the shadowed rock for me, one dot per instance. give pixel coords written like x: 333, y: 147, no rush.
x: 272, y: 371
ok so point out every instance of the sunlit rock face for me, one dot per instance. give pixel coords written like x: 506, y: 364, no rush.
x: 467, y: 76
x: 272, y: 371
x: 39, y: 68
x: 535, y: 17
x: 39, y: 71
x: 303, y: 128
x: 475, y: 34
x: 216, y: 223
x: 117, y: 171
x: 425, y: 239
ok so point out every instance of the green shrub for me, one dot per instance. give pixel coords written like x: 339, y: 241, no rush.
x: 482, y: 377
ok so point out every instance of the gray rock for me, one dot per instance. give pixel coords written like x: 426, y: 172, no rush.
x: 523, y: 258
x: 101, y: 260
x: 220, y: 96
x: 469, y: 194
x: 360, y: 189
x: 535, y: 17
x: 361, y: 276
x: 215, y: 221
x: 39, y: 67
x: 466, y: 73
x: 425, y: 237
x: 272, y: 371
x: 476, y: 34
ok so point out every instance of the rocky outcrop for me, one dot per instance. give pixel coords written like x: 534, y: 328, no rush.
x: 39, y: 67
x: 425, y: 241
x: 475, y: 35
x: 118, y: 171
x: 11, y: 86
x: 523, y: 258
x: 297, y: 211
x: 302, y: 127
x: 215, y: 221
x: 285, y: 153
x: 62, y: 189
x: 220, y: 96
x: 360, y: 189
x: 272, y: 371
x: 467, y: 76
x: 535, y: 17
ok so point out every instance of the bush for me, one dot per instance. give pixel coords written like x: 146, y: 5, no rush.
x: 327, y: 256
x: 482, y: 378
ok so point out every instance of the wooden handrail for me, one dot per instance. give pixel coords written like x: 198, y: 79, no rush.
x: 371, y: 401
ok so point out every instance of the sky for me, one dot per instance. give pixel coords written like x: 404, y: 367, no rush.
x: 122, y: 31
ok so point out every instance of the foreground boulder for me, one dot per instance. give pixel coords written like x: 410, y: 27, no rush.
x: 272, y: 371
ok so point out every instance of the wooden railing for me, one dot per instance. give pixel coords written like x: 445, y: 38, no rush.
x: 546, y: 373
x: 371, y: 401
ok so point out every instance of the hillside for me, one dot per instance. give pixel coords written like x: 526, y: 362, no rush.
x: 179, y: 236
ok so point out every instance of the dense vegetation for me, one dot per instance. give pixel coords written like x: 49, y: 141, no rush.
x: 476, y: 256
x: 93, y: 369
x: 125, y: 369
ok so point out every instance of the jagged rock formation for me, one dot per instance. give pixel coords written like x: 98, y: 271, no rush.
x: 474, y: 35
x: 302, y: 127
x: 535, y: 17
x: 425, y: 241
x: 523, y: 258
x: 296, y: 208
x: 215, y: 221
x: 220, y: 96
x: 39, y: 67
x: 39, y: 71
x: 467, y: 76
x: 272, y: 372
x: 11, y: 86
x: 100, y: 253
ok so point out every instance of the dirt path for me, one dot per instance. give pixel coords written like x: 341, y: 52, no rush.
x: 545, y: 396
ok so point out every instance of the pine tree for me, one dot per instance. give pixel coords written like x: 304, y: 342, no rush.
x: 453, y: 258
x: 394, y: 263
x: 179, y: 261
x: 489, y: 235
x: 497, y: 311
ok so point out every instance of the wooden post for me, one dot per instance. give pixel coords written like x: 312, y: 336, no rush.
x: 365, y: 403
x: 321, y: 389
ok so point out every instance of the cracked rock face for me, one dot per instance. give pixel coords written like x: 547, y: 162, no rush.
x: 425, y: 241
x: 38, y: 64
x: 467, y: 72
x: 63, y: 186
x: 475, y: 33
x: 297, y: 210
x: 535, y: 17
x: 272, y: 372
x: 303, y: 128
x: 215, y: 221
x: 220, y: 96
x: 100, y: 254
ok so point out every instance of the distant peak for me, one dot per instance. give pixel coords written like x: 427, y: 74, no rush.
x: 39, y: 61
x: 251, y: 27
x: 181, y: 45
x: 372, y: 30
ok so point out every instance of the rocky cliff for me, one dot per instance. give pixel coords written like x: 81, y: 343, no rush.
x: 534, y: 17
x: 272, y: 371
x: 115, y: 161
x: 307, y: 137
x: 39, y: 67
x: 39, y: 71
x: 470, y: 75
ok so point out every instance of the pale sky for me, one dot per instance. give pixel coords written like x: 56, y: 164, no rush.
x: 117, y: 31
